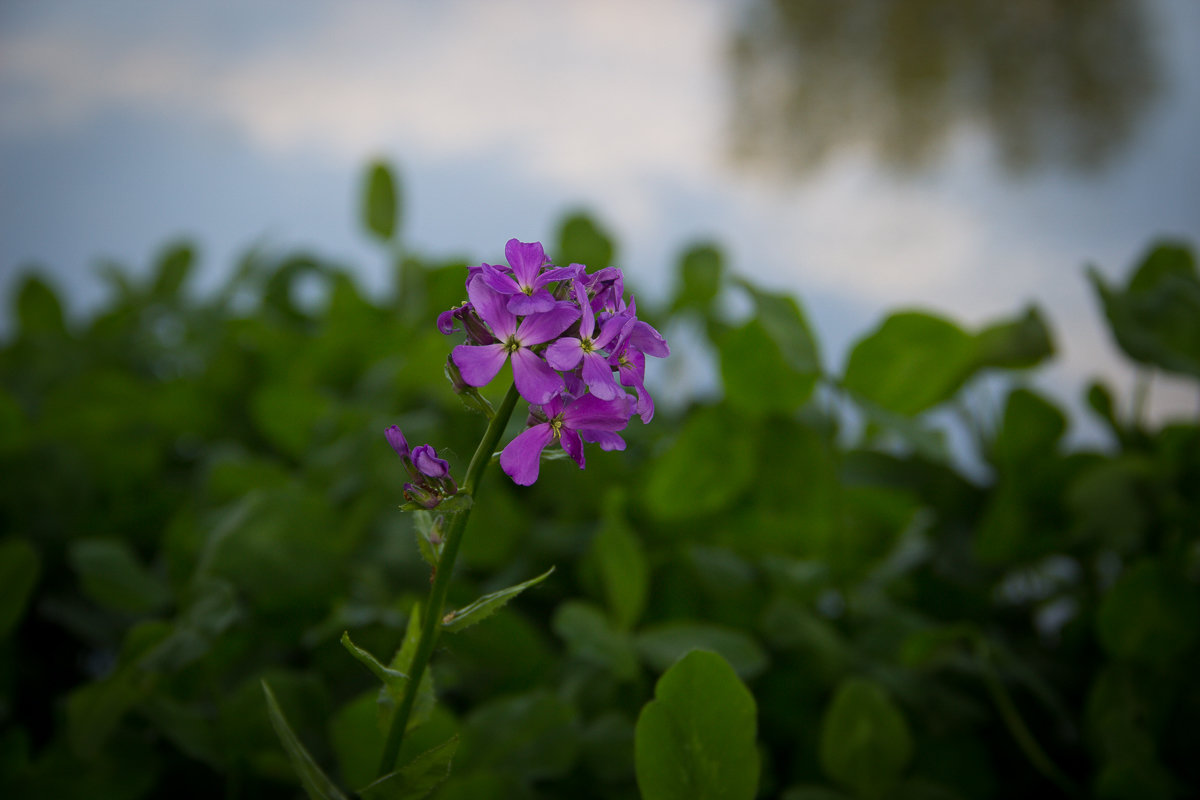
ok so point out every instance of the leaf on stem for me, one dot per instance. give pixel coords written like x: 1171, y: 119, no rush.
x: 316, y: 783
x: 487, y: 605
x: 392, y: 693
x: 416, y: 779
x: 388, y: 675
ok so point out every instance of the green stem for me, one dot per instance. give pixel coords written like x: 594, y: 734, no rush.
x: 1017, y: 727
x: 435, y: 608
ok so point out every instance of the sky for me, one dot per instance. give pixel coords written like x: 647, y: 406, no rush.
x: 125, y: 125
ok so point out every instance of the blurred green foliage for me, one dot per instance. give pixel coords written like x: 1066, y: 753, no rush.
x: 197, y: 498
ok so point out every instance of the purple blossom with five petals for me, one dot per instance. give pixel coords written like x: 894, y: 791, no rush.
x: 566, y: 353
x: 534, y: 378
x: 566, y: 418
x: 524, y: 283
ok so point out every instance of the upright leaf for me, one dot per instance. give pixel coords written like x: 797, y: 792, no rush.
x: 314, y: 780
x: 865, y: 742
x: 696, y: 739
x: 1156, y: 318
x: 624, y: 573
x: 20, y: 567
x: 380, y: 201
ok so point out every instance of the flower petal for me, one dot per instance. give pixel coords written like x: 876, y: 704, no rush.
x: 526, y: 260
x: 593, y: 414
x: 573, y: 445
x: 564, y: 354
x: 538, y: 328
x: 499, y: 280
x: 396, y: 439
x: 479, y: 363
x: 523, y: 455
x: 606, y: 439
x: 535, y: 381
x: 523, y: 304
x: 597, y: 374
x: 490, y: 305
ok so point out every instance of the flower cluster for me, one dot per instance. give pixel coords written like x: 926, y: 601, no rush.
x: 574, y: 345
x: 431, y: 482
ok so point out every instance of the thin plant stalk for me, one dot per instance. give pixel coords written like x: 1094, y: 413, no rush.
x: 435, y: 607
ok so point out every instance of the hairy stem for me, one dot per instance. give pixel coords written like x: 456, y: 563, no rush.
x: 435, y: 608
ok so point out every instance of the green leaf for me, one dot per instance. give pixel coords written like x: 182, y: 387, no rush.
x: 701, y: 271
x: 621, y: 562
x: 912, y: 362
x: 1151, y: 615
x: 380, y: 201
x: 416, y: 779
x: 865, y: 741
x: 709, y: 464
x: 788, y: 327
x: 662, y: 645
x: 430, y: 530
x: 696, y: 739
x: 95, y: 710
x: 1031, y: 430
x: 1156, y: 319
x: 386, y: 675
x: 174, y: 266
x: 591, y: 638
x: 314, y: 780
x: 38, y: 309
x: 756, y: 374
x: 392, y: 692
x: 111, y: 575
x: 487, y: 605
x: 1022, y: 342
x: 582, y: 241
x: 20, y: 567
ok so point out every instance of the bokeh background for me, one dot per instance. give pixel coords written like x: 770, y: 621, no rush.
x: 866, y: 156
x: 952, y: 553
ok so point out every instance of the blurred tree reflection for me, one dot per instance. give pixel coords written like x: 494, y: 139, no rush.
x: 1051, y: 80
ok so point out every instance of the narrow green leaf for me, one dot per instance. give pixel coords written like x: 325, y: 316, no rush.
x: 385, y: 674
x: 380, y: 201
x: 695, y: 740
x: 487, y: 605
x: 174, y: 266
x: 20, y: 567
x: 701, y: 270
x: 622, y: 564
x: 314, y: 780
x: 865, y: 741
x: 416, y: 779
x: 392, y: 692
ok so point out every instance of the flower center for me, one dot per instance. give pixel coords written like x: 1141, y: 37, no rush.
x: 511, y: 345
x: 556, y: 426
x: 587, y: 345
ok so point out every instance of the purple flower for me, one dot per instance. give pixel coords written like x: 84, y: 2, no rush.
x: 637, y: 340
x: 566, y: 353
x: 534, y: 378
x: 565, y: 419
x: 431, y: 482
x: 396, y: 439
x: 524, y: 284
x: 427, y: 463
